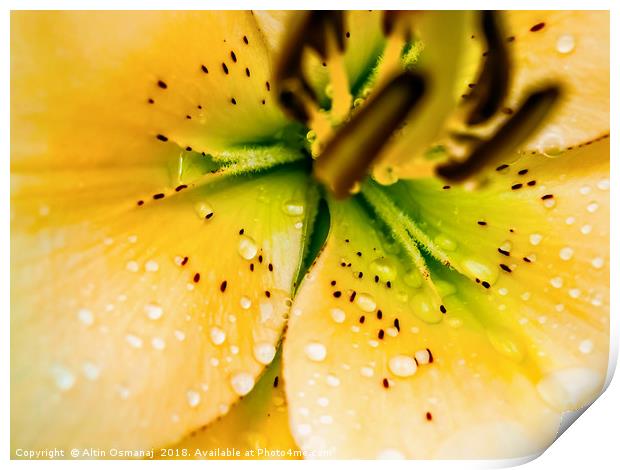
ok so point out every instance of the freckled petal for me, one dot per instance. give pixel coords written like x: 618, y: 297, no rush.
x: 134, y: 325
x: 365, y: 396
x: 257, y: 423
x: 82, y: 81
x: 571, y: 49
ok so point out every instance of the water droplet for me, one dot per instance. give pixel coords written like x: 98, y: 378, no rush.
x: 193, y: 398
x: 86, y: 316
x: 535, y: 239
x: 367, y: 371
x: 203, y: 210
x: 293, y: 208
x: 151, y: 266
x: 480, y: 270
x: 586, y: 229
x: 565, y: 44
x: 247, y: 247
x: 598, y: 262
x: 506, y: 343
x: 132, y: 266
x: 245, y: 303
x: 557, y: 282
x: 332, y: 380
x: 91, y: 371
x: 63, y: 377
x: 402, y: 366
x: 366, y: 302
x: 570, y: 388
x: 586, y: 346
x: 422, y: 356
x: 242, y: 383
x: 446, y: 243
x: 218, y: 336
x: 338, y: 315
x: 423, y: 309
x: 158, y: 343
x: 385, y: 268
x: 153, y: 311
x: 315, y: 351
x: 179, y: 335
x: 552, y: 145
x: 592, y: 207
x: 413, y: 279
x: 264, y: 352
x: 134, y: 341
x: 603, y: 184
x: 566, y: 253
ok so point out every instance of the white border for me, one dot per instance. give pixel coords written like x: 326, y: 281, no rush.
x: 592, y: 442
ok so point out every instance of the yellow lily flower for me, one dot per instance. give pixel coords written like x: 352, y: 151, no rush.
x: 287, y: 235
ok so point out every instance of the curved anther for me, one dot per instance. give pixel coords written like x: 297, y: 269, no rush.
x: 493, y: 81
x: 348, y: 156
x: 532, y: 113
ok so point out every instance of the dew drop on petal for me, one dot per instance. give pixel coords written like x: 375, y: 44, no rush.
x: 332, y: 380
x: 565, y: 44
x: 217, y: 335
x: 247, y: 247
x: 153, y: 311
x: 86, y: 316
x: 193, y: 398
x: 586, y: 346
x: 293, y: 208
x: 338, y: 315
x: 384, y: 268
x: 566, y: 253
x: 245, y: 303
x: 242, y: 383
x: 366, y: 302
x: 402, y: 366
x: 315, y: 351
x: 203, y: 210
x: 63, y: 377
x: 264, y: 353
x: 134, y: 341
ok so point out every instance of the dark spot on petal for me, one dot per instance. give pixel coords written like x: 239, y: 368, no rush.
x: 516, y: 186
x: 140, y: 202
x: 379, y: 314
x: 223, y: 286
x: 505, y: 268
x: 162, y: 137
x: 429, y: 416
x: 180, y: 187
x: 159, y: 196
x: 197, y: 277
x: 233, y: 56
x: 531, y: 183
x: 337, y: 294
x: 245, y: 39
x: 381, y: 334
x: 485, y: 284
x: 275, y: 382
x: 386, y: 383
x: 537, y: 27
x: 504, y: 252
x: 162, y: 84
x: 481, y: 222
x: 204, y: 69
x: 362, y: 319
x: 224, y: 68
x: 523, y: 172
x: 547, y: 196
x: 442, y: 309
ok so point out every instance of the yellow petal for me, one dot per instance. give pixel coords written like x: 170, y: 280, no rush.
x: 256, y: 427
x: 570, y: 48
x: 82, y: 81
x: 133, y: 325
x: 362, y: 385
